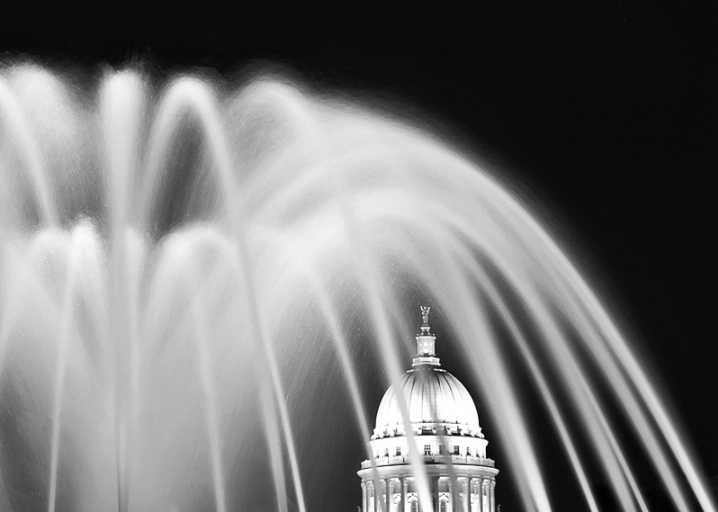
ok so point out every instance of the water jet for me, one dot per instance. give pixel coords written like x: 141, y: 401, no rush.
x: 147, y: 343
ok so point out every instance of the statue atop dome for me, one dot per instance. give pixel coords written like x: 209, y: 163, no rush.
x: 425, y: 318
x: 425, y: 341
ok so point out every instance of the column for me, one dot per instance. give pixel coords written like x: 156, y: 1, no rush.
x: 467, y: 495
x: 451, y: 495
x: 382, y: 497
x: 491, y: 495
x: 404, y: 489
x: 435, y: 493
x: 389, y: 494
x: 485, y: 495
x: 363, y: 497
x: 480, y: 495
x: 472, y: 495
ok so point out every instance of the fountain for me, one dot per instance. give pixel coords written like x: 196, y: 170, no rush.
x: 174, y: 260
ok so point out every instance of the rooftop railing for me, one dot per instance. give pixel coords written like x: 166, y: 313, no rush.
x: 430, y: 459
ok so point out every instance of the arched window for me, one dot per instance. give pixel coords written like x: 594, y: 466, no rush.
x: 444, y: 503
x: 413, y: 504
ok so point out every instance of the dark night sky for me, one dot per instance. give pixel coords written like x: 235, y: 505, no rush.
x: 607, y: 115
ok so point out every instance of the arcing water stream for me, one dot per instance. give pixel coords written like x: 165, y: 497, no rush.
x: 160, y: 249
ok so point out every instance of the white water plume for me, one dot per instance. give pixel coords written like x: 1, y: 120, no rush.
x: 169, y: 254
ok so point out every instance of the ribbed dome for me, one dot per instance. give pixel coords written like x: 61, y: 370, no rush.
x: 435, y: 400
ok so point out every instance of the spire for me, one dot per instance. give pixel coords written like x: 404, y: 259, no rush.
x: 425, y: 341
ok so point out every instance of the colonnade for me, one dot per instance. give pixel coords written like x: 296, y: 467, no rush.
x: 399, y: 494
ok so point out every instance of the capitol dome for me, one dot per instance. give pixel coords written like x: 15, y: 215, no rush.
x: 435, y: 399
x: 440, y: 431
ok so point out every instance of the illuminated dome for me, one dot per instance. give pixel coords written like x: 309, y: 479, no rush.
x: 436, y: 401
x: 440, y: 431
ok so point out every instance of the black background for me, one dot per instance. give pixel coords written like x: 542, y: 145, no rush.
x: 605, y: 114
